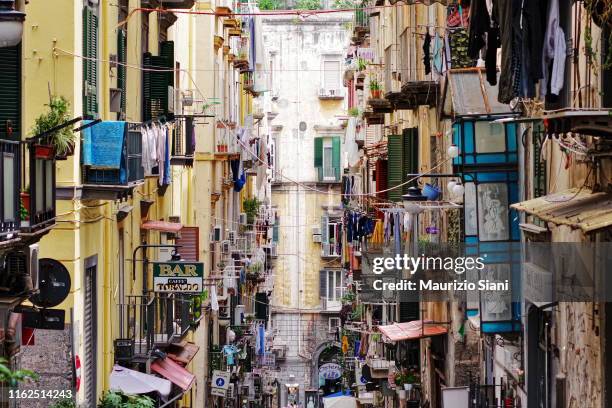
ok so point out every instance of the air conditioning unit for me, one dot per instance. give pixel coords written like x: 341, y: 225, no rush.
x: 333, y: 324
x: 216, y: 234
x: 316, y: 230
x: 243, y: 219
x: 273, y: 250
x: 316, y: 238
x: 280, y: 352
x: 225, y: 247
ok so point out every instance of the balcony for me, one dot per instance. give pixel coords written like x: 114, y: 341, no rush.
x: 26, y: 213
x: 330, y: 250
x: 331, y: 305
x: 331, y: 94
x: 328, y: 174
x: 183, y: 143
x: 156, y: 321
x: 9, y: 214
x: 39, y: 200
x: 126, y: 172
x: 361, y: 25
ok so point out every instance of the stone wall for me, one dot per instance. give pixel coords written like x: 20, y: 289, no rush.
x: 51, y: 358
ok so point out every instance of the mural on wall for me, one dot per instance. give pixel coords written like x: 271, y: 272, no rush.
x: 493, y: 212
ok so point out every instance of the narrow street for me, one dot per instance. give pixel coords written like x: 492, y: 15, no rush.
x: 306, y: 204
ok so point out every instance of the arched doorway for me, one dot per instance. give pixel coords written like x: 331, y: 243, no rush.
x: 327, y: 372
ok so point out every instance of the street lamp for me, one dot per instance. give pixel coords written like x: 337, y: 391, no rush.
x: 11, y: 24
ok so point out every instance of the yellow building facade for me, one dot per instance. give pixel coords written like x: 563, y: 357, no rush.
x: 100, y: 226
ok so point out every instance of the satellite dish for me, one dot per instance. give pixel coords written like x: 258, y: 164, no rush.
x: 303, y: 126
x: 283, y: 103
x: 54, y: 283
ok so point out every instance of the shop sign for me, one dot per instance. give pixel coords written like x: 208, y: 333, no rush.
x: 330, y: 371
x: 178, y: 277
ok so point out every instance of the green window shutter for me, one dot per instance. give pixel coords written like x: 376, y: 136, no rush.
x: 336, y: 156
x: 395, y: 166
x: 324, y: 232
x: 318, y: 152
x: 121, y: 69
x: 410, y: 145
x: 90, y: 64
x: 155, y: 83
x: 10, y: 92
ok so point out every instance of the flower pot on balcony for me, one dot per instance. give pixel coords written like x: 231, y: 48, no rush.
x: 376, y: 93
x: 25, y: 203
x: 44, y: 151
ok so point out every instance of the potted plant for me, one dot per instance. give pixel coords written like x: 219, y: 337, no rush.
x: 401, y: 379
x: 24, y: 205
x: 117, y: 399
x: 59, y: 143
x: 361, y: 64
x: 375, y: 89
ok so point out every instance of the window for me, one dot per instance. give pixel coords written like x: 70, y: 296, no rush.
x: 331, y: 236
x: 332, y: 285
x: 331, y: 75
x: 327, y: 158
x: 490, y: 137
x: 10, y: 92
x: 403, y: 159
x: 90, y: 63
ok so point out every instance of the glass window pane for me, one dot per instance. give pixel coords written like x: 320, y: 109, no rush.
x: 493, y: 212
x: 490, y: 137
x: 39, y: 185
x: 471, y: 227
x: 49, y: 184
x: 8, y: 171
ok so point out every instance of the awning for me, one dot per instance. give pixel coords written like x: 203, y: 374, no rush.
x: 577, y: 208
x: 174, y: 372
x: 413, y: 330
x: 339, y: 402
x: 183, y: 353
x: 163, y: 226
x: 135, y: 382
x: 466, y: 92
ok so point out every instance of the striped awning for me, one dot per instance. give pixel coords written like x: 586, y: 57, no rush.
x: 163, y: 226
x: 414, y: 330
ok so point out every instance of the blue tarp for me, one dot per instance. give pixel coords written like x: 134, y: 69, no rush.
x: 339, y: 394
x: 103, y: 144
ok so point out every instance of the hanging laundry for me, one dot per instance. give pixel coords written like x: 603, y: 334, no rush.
x: 554, y: 53
x: 503, y: 15
x: 427, y: 53
x: 438, y: 54
x: 229, y: 351
x: 480, y: 21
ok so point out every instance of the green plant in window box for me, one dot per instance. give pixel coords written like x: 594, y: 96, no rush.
x: 251, y: 206
x: 60, y: 141
x: 375, y: 88
x: 13, y: 377
x: 361, y: 64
